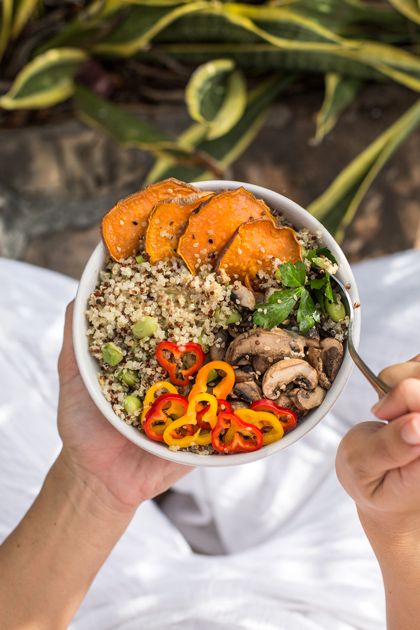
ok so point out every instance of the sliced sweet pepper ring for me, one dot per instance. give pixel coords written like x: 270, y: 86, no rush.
x: 156, y: 390
x: 170, y: 356
x: 287, y: 417
x: 165, y: 410
x: 174, y: 433
x: 232, y: 435
x: 223, y: 388
x: 222, y: 405
x: 268, y: 423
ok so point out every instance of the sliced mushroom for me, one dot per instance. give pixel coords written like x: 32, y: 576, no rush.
x: 218, y: 349
x: 287, y: 372
x: 285, y: 400
x: 243, y: 296
x: 248, y: 391
x: 238, y: 404
x: 244, y: 373
x: 332, y: 356
x: 315, y: 359
x: 260, y: 363
x: 305, y: 400
x: 272, y: 344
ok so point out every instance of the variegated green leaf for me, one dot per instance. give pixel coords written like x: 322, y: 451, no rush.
x: 339, y: 93
x: 216, y: 96
x: 226, y: 149
x: 337, y: 206
x: 23, y: 10
x: 127, y: 129
x: 44, y: 81
x: 6, y: 24
x: 140, y: 25
x: 409, y: 8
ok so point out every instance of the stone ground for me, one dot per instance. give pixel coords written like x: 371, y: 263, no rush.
x: 282, y: 159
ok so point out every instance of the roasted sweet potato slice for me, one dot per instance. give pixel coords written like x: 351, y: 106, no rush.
x: 254, y: 246
x: 167, y: 222
x: 126, y: 222
x: 210, y: 229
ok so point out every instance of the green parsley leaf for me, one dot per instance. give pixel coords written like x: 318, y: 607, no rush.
x: 307, y: 314
x: 321, y: 251
x: 278, y: 308
x: 328, y: 292
x: 292, y: 274
x: 318, y: 283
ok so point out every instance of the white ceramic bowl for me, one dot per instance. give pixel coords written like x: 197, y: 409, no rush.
x: 89, y: 367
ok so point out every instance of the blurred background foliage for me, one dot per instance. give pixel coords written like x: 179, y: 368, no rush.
x: 229, y: 60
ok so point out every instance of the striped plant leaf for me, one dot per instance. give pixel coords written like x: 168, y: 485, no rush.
x: 141, y: 25
x: 44, y: 81
x: 339, y: 93
x: 23, y: 10
x: 123, y: 127
x: 338, y: 204
x: 226, y: 149
x: 367, y: 60
x: 216, y: 96
x: 6, y: 24
x: 409, y: 8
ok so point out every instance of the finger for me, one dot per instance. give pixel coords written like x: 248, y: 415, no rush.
x: 402, y: 399
x: 394, y: 374
x: 67, y: 366
x: 370, y: 449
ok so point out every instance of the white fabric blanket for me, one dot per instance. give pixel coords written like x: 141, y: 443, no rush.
x: 296, y: 557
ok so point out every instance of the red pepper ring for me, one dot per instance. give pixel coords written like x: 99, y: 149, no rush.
x: 232, y: 435
x: 222, y: 405
x: 164, y: 410
x: 174, y: 368
x: 287, y: 417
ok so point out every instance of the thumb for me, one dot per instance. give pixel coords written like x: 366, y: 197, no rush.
x: 67, y: 367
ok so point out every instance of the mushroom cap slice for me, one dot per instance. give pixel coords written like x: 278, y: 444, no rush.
x: 315, y: 359
x: 274, y: 344
x: 306, y: 400
x: 288, y: 371
x: 248, y: 391
x: 332, y: 356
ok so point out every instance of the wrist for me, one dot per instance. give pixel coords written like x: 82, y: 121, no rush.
x: 391, y: 533
x: 83, y: 487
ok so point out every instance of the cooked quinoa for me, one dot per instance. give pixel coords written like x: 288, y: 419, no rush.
x: 186, y: 307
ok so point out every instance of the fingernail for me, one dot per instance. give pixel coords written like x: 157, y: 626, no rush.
x: 410, y: 432
x: 376, y: 407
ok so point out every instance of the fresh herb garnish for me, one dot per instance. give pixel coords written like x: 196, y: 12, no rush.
x: 309, y: 295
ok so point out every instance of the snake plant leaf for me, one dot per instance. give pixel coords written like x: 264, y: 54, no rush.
x: 44, y: 81
x: 216, y: 96
x: 339, y: 93
x: 125, y: 128
x: 226, y: 149
x: 141, y: 25
x: 6, y: 24
x: 338, y: 204
x: 409, y: 8
x: 22, y: 12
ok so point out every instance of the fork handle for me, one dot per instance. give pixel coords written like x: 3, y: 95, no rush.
x: 379, y: 385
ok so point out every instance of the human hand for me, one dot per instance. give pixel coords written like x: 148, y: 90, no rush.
x: 379, y: 464
x: 120, y: 473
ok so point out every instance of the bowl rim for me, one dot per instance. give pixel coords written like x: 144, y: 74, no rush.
x: 89, y: 369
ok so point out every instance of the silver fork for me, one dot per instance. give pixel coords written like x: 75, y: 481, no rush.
x: 379, y: 385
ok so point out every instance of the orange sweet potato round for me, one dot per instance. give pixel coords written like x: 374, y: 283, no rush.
x: 126, y: 222
x: 167, y: 222
x: 210, y: 228
x: 254, y: 246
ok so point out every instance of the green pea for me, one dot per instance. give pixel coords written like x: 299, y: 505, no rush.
x: 335, y: 310
x: 140, y: 259
x: 234, y: 318
x: 144, y: 327
x: 132, y: 404
x: 129, y: 377
x: 112, y: 354
x: 212, y: 375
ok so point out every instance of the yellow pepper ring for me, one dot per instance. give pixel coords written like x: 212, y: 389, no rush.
x: 222, y: 389
x: 150, y: 396
x: 200, y: 437
x: 261, y: 419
